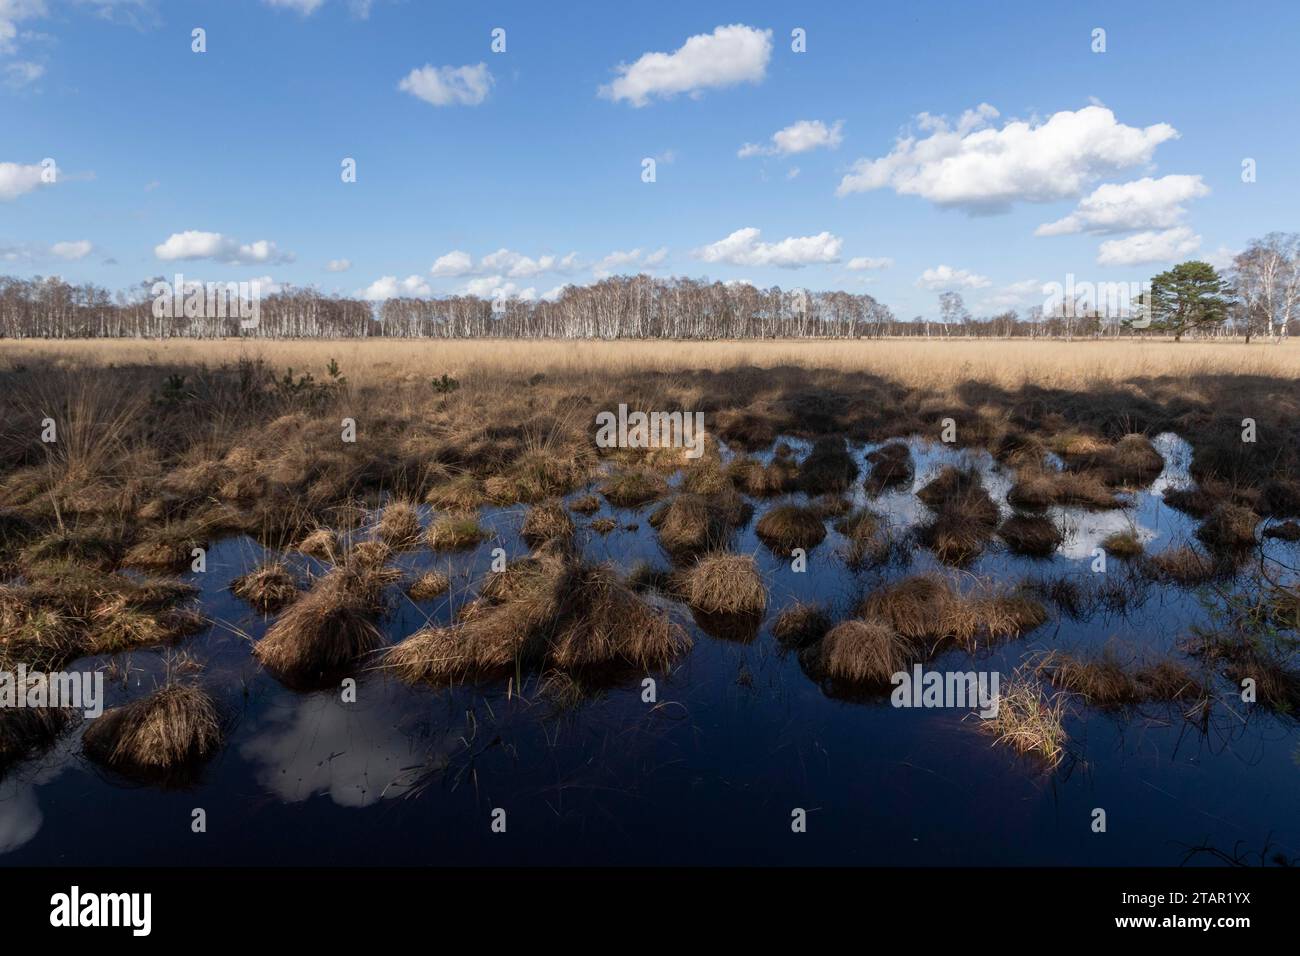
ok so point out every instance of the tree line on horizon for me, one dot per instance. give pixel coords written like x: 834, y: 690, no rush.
x: 1258, y: 296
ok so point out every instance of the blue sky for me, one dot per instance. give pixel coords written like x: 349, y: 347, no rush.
x: 226, y: 164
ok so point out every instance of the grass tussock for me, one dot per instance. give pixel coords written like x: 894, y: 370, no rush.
x: 965, y: 517
x: 763, y: 481
x: 633, y: 487
x: 267, y: 588
x: 1104, y: 680
x: 891, y: 467
x: 461, y: 493
x: 801, y: 624
x: 787, y: 527
x: 1123, y: 544
x: 722, y: 583
x: 322, y: 544
x: 1029, y: 721
x: 176, y: 727
x: 370, y: 554
x: 926, y: 608
x: 399, y: 525
x: 868, y: 543
x: 1274, y: 671
x: 692, y: 524
x: 553, y: 611
x: 455, y: 532
x: 545, y: 522
x: 427, y: 586
x: 26, y: 731
x: 64, y: 611
x: 1033, y: 535
x: 329, y: 629
x: 861, y: 652
x: 828, y: 469
x: 1228, y: 528
x: 1284, y: 531
x: 1037, y: 488
x: 1183, y: 565
x: 1132, y: 462
x: 548, y: 471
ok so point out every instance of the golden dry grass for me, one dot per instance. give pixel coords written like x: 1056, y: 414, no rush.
x: 918, y: 362
x: 176, y: 725
x: 1029, y: 720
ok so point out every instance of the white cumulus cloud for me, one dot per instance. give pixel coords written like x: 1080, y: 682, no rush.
x: 744, y: 248
x: 502, y: 262
x: 727, y: 56
x: 195, y: 244
x: 17, y: 179
x: 621, y: 261
x: 860, y: 263
x: 975, y: 166
x: 946, y: 277
x: 1151, y: 246
x: 498, y: 287
x: 338, y: 265
x: 449, y: 85
x: 390, y: 287
x: 800, y: 137
x: 72, y: 251
x: 1124, y: 207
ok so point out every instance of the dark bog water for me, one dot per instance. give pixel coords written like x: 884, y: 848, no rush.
x: 739, y: 737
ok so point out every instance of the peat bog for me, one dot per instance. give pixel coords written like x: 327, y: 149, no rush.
x: 500, y: 589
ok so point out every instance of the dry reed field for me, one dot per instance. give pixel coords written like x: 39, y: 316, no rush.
x: 910, y: 361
